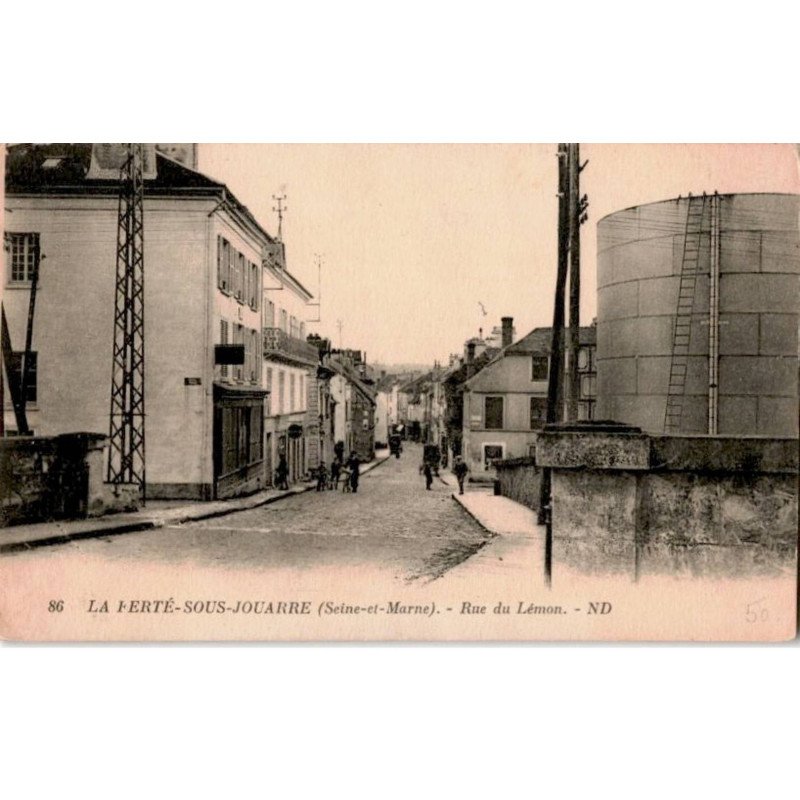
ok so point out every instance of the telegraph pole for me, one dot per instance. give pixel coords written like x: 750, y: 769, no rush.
x: 557, y: 345
x: 573, y: 386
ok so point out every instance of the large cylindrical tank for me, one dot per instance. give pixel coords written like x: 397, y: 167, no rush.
x: 757, y: 261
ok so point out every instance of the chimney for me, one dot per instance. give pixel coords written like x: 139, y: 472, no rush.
x: 470, y: 352
x: 508, y: 330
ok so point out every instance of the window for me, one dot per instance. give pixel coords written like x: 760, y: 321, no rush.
x: 284, y: 321
x: 223, y: 265
x: 16, y: 374
x: 223, y: 339
x: 255, y: 358
x: 231, y: 267
x: 269, y: 389
x: 493, y: 413
x: 240, y: 276
x: 254, y: 287
x: 281, y: 386
x: 539, y: 369
x: 22, y: 251
x: 292, y: 405
x: 302, y: 330
x: 269, y: 314
x: 538, y: 412
x: 588, y: 386
x: 491, y: 452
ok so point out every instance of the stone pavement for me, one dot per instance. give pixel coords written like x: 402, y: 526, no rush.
x: 158, y: 515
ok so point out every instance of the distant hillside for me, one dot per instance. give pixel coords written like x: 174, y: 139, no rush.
x: 395, y: 369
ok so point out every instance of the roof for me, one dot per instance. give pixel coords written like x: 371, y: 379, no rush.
x: 68, y: 165
x: 460, y: 374
x: 385, y: 383
x: 540, y: 339
x: 349, y: 374
x: 26, y: 173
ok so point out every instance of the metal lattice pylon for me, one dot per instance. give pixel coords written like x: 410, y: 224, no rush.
x: 126, y: 461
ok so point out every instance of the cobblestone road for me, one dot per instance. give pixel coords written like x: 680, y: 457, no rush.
x: 392, y: 522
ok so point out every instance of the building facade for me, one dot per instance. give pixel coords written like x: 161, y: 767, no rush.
x: 204, y: 259
x: 505, y: 402
x: 291, y: 426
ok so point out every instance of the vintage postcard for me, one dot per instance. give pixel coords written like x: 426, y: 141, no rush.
x: 399, y: 392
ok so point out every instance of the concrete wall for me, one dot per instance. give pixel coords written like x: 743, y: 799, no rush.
x: 640, y: 252
x: 637, y: 504
x: 74, y: 339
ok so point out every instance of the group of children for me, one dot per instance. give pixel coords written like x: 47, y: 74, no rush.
x: 347, y: 473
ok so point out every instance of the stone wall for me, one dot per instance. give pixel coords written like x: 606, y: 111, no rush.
x: 57, y: 477
x: 520, y: 480
x: 631, y: 503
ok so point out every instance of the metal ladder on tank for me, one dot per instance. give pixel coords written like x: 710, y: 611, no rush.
x: 681, y: 335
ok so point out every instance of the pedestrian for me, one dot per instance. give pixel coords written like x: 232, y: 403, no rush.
x: 282, y: 473
x: 322, y: 478
x: 426, y: 470
x: 338, y: 451
x: 353, y: 465
x: 336, y: 468
x: 460, y: 469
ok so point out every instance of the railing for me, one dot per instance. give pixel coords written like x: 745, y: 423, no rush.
x: 278, y: 344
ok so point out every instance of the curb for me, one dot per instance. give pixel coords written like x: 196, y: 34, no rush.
x: 151, y: 524
x: 455, y: 497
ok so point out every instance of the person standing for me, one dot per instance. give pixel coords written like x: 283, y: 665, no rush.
x: 426, y: 470
x: 322, y: 478
x: 282, y: 473
x: 353, y: 465
x: 336, y: 468
x: 460, y: 469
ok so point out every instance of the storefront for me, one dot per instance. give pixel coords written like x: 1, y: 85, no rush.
x: 238, y: 440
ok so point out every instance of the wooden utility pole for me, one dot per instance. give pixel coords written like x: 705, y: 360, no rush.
x: 573, y: 385
x: 557, y: 341
x: 557, y: 344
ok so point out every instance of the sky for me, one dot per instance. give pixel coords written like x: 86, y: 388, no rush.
x: 414, y: 237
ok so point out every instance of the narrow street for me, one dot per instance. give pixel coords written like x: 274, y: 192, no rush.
x: 392, y: 522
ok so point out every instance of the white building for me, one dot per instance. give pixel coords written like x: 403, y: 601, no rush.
x: 204, y: 285
x: 289, y: 370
